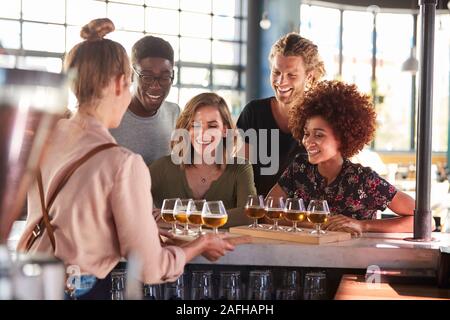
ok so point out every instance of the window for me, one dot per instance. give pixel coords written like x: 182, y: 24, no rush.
x: 357, y: 49
x: 324, y: 35
x: 208, y: 37
x: 441, y: 83
x: 393, y: 86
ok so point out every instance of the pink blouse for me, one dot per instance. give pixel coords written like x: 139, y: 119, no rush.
x: 104, y: 212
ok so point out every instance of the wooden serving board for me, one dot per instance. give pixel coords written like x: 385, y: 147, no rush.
x: 234, y: 238
x: 304, y: 236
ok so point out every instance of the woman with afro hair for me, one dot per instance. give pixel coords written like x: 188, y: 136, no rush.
x: 334, y: 122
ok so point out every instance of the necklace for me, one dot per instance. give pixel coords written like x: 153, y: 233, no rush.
x: 205, y: 178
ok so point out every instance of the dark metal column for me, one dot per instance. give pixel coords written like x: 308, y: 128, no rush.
x: 422, y: 215
x: 252, y: 87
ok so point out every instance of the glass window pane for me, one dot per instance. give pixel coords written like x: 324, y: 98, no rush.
x: 393, y: 103
x: 226, y: 28
x: 441, y: 83
x: 40, y: 63
x: 10, y: 34
x: 197, y: 5
x: 244, y: 54
x: 126, y: 38
x: 244, y: 8
x: 225, y: 53
x: 173, y: 95
x: 72, y: 37
x: 43, y: 37
x: 357, y: 49
x: 170, y: 4
x: 195, y: 76
x: 7, y: 61
x: 195, y: 25
x: 324, y: 35
x: 162, y: 21
x: 244, y: 30
x: 10, y: 9
x: 80, y: 12
x: 394, y: 31
x: 225, y: 78
x: 227, y: 8
x: 126, y: 17
x: 243, y: 79
x: 188, y: 93
x: 234, y: 100
x: 195, y: 50
x: 39, y: 10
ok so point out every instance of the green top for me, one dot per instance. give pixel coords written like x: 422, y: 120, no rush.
x: 232, y: 187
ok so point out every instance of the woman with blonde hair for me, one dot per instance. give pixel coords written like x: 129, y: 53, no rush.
x: 202, y: 164
x: 89, y: 210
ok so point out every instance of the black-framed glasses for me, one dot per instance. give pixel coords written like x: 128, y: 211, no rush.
x: 163, y: 80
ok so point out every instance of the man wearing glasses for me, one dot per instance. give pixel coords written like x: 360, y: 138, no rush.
x: 148, y: 123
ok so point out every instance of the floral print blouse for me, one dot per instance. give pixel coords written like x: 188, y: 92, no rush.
x: 357, y: 191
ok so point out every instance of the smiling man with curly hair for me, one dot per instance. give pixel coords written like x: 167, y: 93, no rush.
x: 334, y: 122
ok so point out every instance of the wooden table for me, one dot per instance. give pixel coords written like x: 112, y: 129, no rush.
x: 354, y: 287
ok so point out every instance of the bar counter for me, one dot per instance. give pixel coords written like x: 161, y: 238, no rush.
x: 354, y: 287
x: 386, y: 250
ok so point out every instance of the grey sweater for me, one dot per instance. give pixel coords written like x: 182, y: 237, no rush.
x: 148, y: 136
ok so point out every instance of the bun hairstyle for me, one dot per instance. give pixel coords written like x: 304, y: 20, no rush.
x: 97, y: 29
x: 96, y: 61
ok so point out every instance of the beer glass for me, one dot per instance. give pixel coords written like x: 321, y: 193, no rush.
x: 180, y: 213
x: 118, y: 278
x: 174, y: 290
x: 289, y: 286
x: 152, y: 292
x: 230, y: 285
x: 274, y: 211
x: 315, y: 286
x: 254, y: 208
x: 318, y: 213
x: 260, y: 285
x: 214, y: 215
x: 194, y: 214
x: 294, y: 211
x: 167, y: 215
x: 201, y: 285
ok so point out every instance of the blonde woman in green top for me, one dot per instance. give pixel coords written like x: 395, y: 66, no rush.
x: 202, y: 165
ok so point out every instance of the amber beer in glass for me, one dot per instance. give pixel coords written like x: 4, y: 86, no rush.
x: 318, y: 213
x: 254, y: 208
x: 295, y: 212
x: 181, y: 214
x: 274, y: 211
x: 167, y: 213
x: 214, y: 215
x: 194, y: 211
